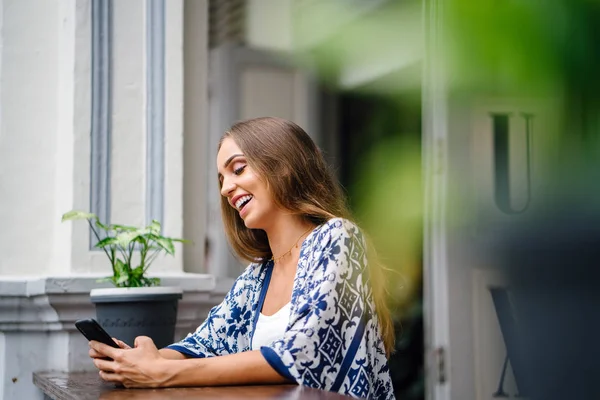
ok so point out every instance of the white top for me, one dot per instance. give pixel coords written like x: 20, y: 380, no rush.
x: 270, y: 328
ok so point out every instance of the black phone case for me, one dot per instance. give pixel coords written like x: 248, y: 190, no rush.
x: 93, y: 331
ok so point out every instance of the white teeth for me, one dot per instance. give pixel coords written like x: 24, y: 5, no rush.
x: 242, y: 200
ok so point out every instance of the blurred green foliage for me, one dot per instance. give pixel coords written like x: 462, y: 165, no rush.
x: 388, y: 201
x: 509, y: 49
x: 532, y: 48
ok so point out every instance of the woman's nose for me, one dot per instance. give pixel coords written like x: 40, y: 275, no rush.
x: 227, y: 187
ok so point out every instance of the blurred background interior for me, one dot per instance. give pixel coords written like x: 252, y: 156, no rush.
x: 452, y: 125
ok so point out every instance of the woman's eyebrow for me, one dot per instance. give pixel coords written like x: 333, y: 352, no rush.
x: 230, y: 159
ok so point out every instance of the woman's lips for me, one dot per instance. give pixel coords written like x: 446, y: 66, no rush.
x: 244, y: 210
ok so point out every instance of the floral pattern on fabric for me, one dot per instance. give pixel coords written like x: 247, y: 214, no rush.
x: 332, y: 340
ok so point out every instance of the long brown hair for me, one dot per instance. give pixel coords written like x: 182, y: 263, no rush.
x: 297, y: 176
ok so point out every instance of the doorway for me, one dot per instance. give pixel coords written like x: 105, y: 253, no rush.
x: 379, y: 143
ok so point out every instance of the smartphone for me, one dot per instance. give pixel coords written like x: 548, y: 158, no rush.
x: 93, y: 331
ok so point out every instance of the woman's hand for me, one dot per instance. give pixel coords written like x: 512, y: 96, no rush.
x: 141, y: 366
x: 144, y: 366
x: 94, y: 354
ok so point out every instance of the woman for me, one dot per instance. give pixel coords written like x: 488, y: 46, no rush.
x: 303, y: 311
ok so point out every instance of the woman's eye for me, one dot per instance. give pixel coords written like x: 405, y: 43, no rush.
x: 239, y: 170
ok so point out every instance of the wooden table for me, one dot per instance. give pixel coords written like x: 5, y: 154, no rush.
x: 88, y: 385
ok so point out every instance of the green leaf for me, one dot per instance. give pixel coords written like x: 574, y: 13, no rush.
x: 137, y: 272
x: 124, y: 238
x: 141, y: 239
x: 154, y: 281
x: 122, y: 228
x: 134, y: 282
x: 154, y: 227
x: 107, y: 241
x: 76, y: 214
x: 150, y: 281
x: 164, y: 243
x: 102, y: 226
x: 121, y: 272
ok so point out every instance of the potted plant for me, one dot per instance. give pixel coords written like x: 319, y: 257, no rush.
x: 137, y: 305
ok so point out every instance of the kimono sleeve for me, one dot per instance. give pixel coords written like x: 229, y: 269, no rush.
x: 328, y: 321
x: 225, y: 331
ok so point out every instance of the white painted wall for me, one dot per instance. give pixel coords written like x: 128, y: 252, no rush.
x: 45, y: 124
x: 128, y: 163
x: 196, y: 152
x: 81, y: 259
x: 174, y: 135
x: 269, y: 24
x: 45, y: 102
x: 35, y: 177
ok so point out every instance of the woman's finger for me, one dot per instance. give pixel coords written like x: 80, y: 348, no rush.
x: 111, y: 377
x: 121, y: 343
x: 105, y: 350
x: 104, y: 365
x: 94, y: 354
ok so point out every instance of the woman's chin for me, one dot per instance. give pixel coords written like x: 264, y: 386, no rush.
x: 252, y: 223
x: 248, y: 223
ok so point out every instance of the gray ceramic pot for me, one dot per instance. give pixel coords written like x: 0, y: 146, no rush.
x: 126, y: 313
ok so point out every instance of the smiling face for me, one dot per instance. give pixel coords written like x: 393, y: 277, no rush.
x: 243, y: 189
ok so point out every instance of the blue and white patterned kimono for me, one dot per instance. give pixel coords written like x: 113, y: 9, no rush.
x: 332, y: 340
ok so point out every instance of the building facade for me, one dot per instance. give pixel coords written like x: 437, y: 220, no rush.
x: 117, y: 107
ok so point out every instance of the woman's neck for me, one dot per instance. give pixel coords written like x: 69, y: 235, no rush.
x: 287, y: 232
